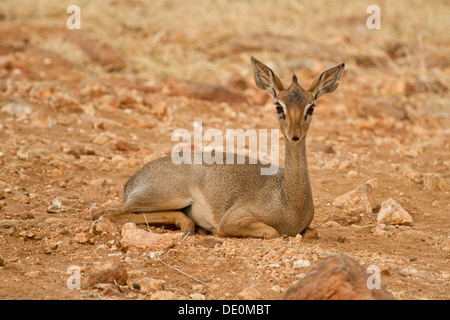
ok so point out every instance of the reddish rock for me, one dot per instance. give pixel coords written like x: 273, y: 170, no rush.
x: 87, y: 214
x: 337, y: 277
x: 140, y: 240
x: 82, y: 237
x: 116, y: 275
x: 104, y: 225
x: 125, y: 146
x: 151, y: 285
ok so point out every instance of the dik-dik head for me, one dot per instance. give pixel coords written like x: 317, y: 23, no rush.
x: 294, y: 105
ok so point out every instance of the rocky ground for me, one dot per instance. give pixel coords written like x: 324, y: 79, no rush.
x: 70, y: 137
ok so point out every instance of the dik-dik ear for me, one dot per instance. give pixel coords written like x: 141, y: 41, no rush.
x: 327, y: 82
x: 265, y: 78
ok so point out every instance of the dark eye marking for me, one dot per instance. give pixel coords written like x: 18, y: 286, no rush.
x: 309, y: 111
x: 280, y: 111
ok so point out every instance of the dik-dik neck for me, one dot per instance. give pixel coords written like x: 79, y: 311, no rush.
x: 296, y: 186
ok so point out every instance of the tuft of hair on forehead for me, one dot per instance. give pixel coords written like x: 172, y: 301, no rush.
x: 294, y: 78
x: 295, y: 95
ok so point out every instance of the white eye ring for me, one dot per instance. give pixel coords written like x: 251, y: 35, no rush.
x: 281, y: 114
x: 305, y: 112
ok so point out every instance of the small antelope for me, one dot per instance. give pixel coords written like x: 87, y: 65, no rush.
x: 233, y: 200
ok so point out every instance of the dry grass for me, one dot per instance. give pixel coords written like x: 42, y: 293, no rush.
x: 200, y: 40
x: 176, y: 38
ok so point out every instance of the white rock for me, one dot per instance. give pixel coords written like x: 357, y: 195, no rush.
x: 16, y: 107
x: 55, y: 207
x: 301, y: 263
x: 197, y: 296
x: 351, y: 174
x: 22, y: 154
x: 392, y: 212
x: 357, y: 200
x: 276, y: 288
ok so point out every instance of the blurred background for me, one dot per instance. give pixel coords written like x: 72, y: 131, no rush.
x: 212, y: 41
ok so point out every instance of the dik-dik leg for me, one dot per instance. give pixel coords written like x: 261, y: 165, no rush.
x: 123, y: 213
x: 239, y: 224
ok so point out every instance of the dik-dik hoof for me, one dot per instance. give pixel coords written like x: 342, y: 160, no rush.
x: 310, y: 233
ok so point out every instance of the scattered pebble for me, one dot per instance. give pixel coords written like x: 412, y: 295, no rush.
x: 249, y: 293
x: 197, y: 296
x: 163, y: 295
x: 301, y: 263
x: 82, y: 237
x: 55, y: 207
x: 151, y: 285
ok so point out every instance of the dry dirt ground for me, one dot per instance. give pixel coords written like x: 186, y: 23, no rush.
x: 73, y: 130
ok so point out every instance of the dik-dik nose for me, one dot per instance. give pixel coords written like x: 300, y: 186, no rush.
x: 294, y: 133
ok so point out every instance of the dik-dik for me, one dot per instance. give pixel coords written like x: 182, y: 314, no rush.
x: 235, y: 200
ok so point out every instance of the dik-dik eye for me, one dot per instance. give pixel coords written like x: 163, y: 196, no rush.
x: 309, y: 110
x: 280, y: 111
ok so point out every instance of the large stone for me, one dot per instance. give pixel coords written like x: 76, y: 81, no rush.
x: 337, y: 277
x: 392, y: 212
x: 140, y: 240
x: 357, y: 200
